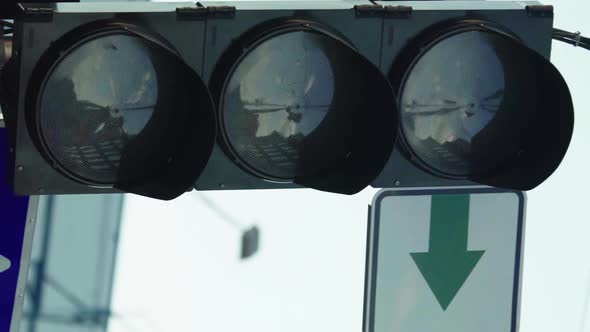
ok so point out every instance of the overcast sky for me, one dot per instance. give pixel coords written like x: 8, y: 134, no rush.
x: 178, y: 268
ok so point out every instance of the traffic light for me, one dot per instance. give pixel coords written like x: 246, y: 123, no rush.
x: 479, y: 101
x: 160, y: 98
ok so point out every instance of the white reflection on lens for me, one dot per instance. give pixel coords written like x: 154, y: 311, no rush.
x: 287, y: 82
x: 114, y: 74
x: 454, y: 90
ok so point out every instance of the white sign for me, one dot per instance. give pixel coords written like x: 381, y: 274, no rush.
x: 444, y: 260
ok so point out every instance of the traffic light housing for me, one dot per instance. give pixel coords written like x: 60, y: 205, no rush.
x: 157, y: 98
x: 525, y: 142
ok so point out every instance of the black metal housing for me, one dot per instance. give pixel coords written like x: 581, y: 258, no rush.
x: 531, y: 165
x: 336, y: 177
x: 51, y: 37
x: 226, y: 39
x: 403, y: 40
x: 211, y: 36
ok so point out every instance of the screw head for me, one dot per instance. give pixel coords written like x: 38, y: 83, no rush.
x: 397, y: 183
x: 19, y: 168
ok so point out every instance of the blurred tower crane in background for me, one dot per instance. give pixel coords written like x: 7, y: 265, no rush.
x: 73, y: 264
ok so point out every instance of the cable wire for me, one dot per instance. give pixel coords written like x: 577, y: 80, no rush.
x: 220, y: 212
x: 573, y: 38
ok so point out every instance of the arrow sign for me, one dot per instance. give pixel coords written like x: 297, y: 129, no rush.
x: 448, y: 263
x: 449, y: 287
x: 4, y: 264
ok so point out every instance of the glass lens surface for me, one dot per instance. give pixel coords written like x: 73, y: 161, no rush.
x: 277, y: 96
x: 96, y: 101
x: 460, y: 106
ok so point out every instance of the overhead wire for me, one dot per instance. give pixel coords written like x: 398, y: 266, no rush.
x: 220, y: 212
x: 250, y: 235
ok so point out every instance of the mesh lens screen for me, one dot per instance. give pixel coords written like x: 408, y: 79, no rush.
x: 96, y: 101
x: 277, y: 96
x: 461, y: 113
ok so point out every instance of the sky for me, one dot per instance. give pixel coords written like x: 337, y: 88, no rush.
x: 179, y: 267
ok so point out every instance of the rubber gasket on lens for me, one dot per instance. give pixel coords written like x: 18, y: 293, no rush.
x: 403, y: 66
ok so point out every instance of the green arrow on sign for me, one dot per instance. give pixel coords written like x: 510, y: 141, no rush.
x: 448, y: 263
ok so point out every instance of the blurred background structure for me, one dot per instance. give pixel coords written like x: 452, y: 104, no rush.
x: 72, y: 265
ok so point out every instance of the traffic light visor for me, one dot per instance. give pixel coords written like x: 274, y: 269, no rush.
x: 477, y: 104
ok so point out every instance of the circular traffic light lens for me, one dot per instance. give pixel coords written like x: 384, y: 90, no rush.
x: 460, y: 110
x: 277, y: 95
x: 96, y: 100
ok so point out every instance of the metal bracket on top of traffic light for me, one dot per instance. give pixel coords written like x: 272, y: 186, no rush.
x: 155, y: 99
